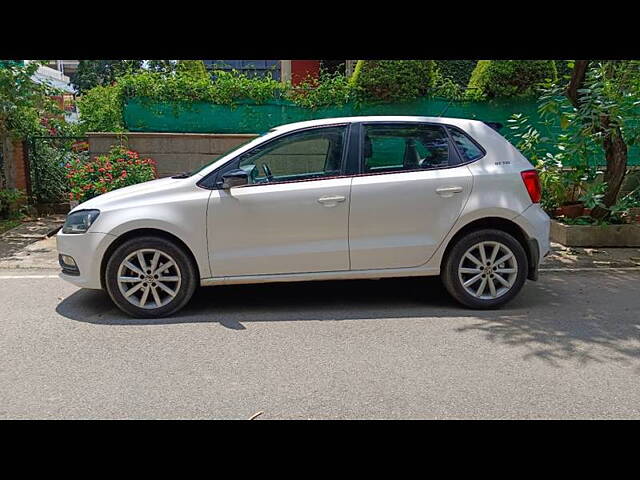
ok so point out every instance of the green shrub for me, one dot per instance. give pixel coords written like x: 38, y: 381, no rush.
x: 119, y: 168
x: 393, y: 80
x: 459, y: 71
x: 9, y: 202
x: 509, y: 78
x: 330, y: 89
x: 101, y: 110
x: 194, y: 68
x: 225, y: 89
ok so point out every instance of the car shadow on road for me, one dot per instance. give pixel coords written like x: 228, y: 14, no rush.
x: 232, y: 305
x: 553, y: 320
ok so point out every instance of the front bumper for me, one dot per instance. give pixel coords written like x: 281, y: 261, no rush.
x: 87, y: 250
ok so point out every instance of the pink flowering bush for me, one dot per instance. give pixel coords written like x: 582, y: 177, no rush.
x: 119, y: 168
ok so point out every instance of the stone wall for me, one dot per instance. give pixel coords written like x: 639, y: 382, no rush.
x: 174, y: 152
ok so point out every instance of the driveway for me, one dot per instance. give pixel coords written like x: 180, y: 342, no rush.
x: 567, y: 347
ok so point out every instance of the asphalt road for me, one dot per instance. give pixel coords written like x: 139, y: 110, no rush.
x: 567, y: 347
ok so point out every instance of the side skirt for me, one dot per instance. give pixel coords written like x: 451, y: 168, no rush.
x: 319, y: 276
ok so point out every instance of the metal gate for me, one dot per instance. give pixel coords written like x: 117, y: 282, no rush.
x: 47, y: 159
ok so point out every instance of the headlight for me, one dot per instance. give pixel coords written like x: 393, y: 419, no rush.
x: 79, y: 222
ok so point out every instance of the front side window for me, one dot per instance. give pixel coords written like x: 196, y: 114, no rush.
x: 310, y: 154
x: 391, y: 148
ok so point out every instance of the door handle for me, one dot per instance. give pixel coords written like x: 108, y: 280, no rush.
x: 448, y: 191
x: 331, y: 201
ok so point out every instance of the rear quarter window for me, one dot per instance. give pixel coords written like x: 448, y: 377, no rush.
x: 469, y: 150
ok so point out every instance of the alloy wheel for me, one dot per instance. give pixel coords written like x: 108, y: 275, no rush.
x: 149, y: 278
x: 488, y: 270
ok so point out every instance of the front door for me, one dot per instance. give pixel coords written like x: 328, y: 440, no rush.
x: 410, y: 194
x: 292, y: 217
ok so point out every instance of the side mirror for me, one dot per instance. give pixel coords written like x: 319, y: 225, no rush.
x: 234, y: 178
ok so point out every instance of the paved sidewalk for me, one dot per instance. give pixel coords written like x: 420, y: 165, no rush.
x: 562, y: 257
x: 32, y: 244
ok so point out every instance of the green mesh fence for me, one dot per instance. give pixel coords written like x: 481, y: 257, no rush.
x: 143, y: 115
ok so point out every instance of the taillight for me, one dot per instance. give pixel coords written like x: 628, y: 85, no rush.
x: 532, y: 182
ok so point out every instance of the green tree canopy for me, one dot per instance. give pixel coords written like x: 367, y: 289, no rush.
x: 23, y: 102
x: 93, y: 73
x: 162, y: 66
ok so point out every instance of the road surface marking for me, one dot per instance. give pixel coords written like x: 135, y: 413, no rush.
x: 590, y: 269
x: 2, y: 277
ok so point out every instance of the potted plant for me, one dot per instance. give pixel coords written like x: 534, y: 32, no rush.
x: 576, y: 183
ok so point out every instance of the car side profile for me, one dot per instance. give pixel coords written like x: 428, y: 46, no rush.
x: 330, y: 199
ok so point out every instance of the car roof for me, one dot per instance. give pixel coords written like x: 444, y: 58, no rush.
x: 463, y: 123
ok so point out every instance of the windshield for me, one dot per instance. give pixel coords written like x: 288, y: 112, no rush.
x: 231, y: 150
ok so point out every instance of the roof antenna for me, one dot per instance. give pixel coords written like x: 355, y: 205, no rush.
x: 452, y: 100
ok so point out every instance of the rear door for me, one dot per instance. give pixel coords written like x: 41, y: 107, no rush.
x: 410, y: 192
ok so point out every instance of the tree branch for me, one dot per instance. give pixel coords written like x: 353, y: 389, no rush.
x: 577, y: 80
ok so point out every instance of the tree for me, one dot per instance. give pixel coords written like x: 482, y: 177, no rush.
x: 194, y: 68
x: 93, y: 73
x: 24, y: 103
x: 604, y: 97
x: 162, y: 66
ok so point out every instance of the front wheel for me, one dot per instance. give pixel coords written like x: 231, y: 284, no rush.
x: 485, y: 269
x: 150, y: 277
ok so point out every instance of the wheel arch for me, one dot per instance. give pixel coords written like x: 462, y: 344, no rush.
x: 530, y: 245
x: 139, y: 232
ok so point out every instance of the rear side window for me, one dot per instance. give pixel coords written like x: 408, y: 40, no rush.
x: 398, y: 147
x: 467, y: 147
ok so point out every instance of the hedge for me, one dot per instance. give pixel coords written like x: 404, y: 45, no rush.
x: 509, y: 78
x: 393, y: 80
x: 457, y: 70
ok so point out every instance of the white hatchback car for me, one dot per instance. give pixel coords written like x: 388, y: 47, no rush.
x: 339, y: 198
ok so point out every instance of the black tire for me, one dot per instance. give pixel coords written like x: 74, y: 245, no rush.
x: 187, y: 272
x: 453, y: 283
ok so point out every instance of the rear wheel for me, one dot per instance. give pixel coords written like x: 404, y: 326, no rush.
x: 150, y: 277
x: 485, y: 269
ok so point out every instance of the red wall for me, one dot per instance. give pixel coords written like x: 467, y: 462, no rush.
x: 301, y: 69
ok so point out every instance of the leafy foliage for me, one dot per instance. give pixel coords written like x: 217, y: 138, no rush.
x: 458, y: 71
x: 393, y: 80
x: 509, y: 78
x: 119, y: 168
x: 93, y: 73
x: 101, y: 110
x: 9, y: 201
x: 561, y: 185
x: 23, y: 102
x: 162, y: 66
x: 564, y: 69
x: 193, y: 68
x: 611, y: 90
x: 330, y: 89
x: 603, y: 117
x: 184, y: 86
x: 445, y: 87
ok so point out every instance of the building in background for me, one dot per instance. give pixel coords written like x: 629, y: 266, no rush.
x: 56, y: 78
x: 294, y: 71
x: 66, y: 67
